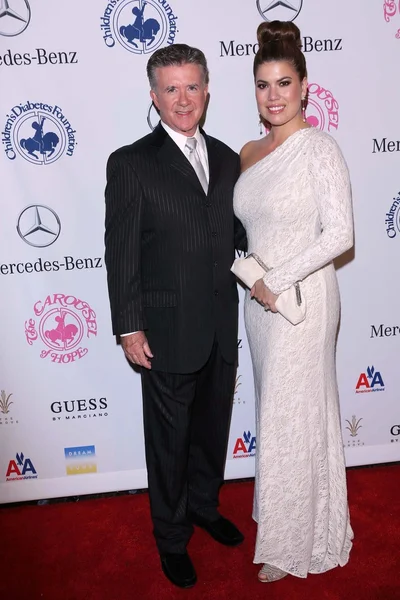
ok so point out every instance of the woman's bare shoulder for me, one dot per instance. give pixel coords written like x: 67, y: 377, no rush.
x: 251, y: 152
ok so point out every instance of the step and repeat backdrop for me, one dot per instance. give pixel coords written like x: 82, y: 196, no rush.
x: 73, y: 89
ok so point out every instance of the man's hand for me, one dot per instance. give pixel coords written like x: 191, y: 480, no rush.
x: 137, y: 349
x: 263, y: 295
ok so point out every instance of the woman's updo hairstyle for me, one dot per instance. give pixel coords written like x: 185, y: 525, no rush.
x: 280, y: 40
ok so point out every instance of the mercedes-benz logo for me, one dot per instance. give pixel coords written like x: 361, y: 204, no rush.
x: 280, y: 10
x: 153, y: 117
x: 38, y: 225
x: 15, y: 20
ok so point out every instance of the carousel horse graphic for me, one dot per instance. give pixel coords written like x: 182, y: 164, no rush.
x: 144, y: 31
x: 64, y: 333
x: 44, y: 144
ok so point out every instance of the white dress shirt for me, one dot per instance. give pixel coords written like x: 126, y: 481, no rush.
x: 180, y: 141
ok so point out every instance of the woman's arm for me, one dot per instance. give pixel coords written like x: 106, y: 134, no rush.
x: 330, y: 183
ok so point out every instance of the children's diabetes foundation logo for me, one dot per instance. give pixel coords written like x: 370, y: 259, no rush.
x: 138, y: 26
x: 38, y: 132
x: 392, y: 220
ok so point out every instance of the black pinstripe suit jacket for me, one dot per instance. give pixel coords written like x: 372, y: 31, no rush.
x: 169, y: 249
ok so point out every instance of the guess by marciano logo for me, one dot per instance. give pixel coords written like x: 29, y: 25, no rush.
x: 64, y: 321
x: 139, y: 26
x: 84, y: 408
x: 391, y: 10
x: 371, y: 381
x: 395, y: 433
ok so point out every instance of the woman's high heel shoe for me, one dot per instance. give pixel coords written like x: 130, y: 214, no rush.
x: 268, y: 573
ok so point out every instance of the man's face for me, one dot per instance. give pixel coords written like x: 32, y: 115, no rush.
x: 180, y: 96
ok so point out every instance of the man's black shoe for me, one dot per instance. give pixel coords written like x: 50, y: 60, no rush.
x: 179, y: 569
x: 222, y: 530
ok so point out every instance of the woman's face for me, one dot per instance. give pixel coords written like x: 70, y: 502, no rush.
x: 279, y: 92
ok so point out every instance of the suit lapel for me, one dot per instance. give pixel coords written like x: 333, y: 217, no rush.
x: 170, y: 154
x: 174, y: 157
x: 214, y: 161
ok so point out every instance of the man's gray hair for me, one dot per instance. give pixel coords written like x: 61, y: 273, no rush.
x: 173, y: 56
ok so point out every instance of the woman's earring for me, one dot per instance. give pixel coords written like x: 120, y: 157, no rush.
x: 303, y: 109
x: 261, y: 125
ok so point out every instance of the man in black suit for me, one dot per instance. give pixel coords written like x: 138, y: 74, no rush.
x: 170, y: 236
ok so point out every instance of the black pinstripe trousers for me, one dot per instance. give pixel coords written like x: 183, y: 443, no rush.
x: 186, y: 427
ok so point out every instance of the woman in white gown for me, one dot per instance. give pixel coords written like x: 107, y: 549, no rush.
x: 294, y: 199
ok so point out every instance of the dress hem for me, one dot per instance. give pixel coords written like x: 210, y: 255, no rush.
x: 281, y: 566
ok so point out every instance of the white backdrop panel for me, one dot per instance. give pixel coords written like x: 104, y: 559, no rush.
x: 70, y: 405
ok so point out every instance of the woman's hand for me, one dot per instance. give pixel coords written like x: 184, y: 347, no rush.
x: 263, y: 295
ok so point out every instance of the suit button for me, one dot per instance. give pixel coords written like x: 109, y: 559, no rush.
x: 214, y: 234
x: 208, y: 205
x: 215, y: 264
x: 215, y: 292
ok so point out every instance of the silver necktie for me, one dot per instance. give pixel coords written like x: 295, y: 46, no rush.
x: 194, y: 159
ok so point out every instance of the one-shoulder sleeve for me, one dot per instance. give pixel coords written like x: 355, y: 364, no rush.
x: 330, y: 184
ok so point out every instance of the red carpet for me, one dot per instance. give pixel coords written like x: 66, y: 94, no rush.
x: 101, y: 549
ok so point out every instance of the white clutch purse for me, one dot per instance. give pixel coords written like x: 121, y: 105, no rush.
x: 290, y: 304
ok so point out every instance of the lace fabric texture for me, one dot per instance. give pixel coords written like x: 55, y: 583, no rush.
x: 296, y: 207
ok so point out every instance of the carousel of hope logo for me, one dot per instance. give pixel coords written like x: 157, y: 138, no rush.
x: 65, y: 321
x: 322, y: 108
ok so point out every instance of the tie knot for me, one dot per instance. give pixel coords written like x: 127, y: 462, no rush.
x: 191, y: 144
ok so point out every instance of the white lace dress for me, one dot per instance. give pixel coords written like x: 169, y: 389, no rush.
x: 296, y: 207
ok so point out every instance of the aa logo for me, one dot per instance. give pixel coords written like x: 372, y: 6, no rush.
x: 21, y: 468
x: 245, y: 446
x: 371, y: 381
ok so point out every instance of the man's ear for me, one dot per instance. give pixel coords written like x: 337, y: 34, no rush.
x: 154, y: 98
